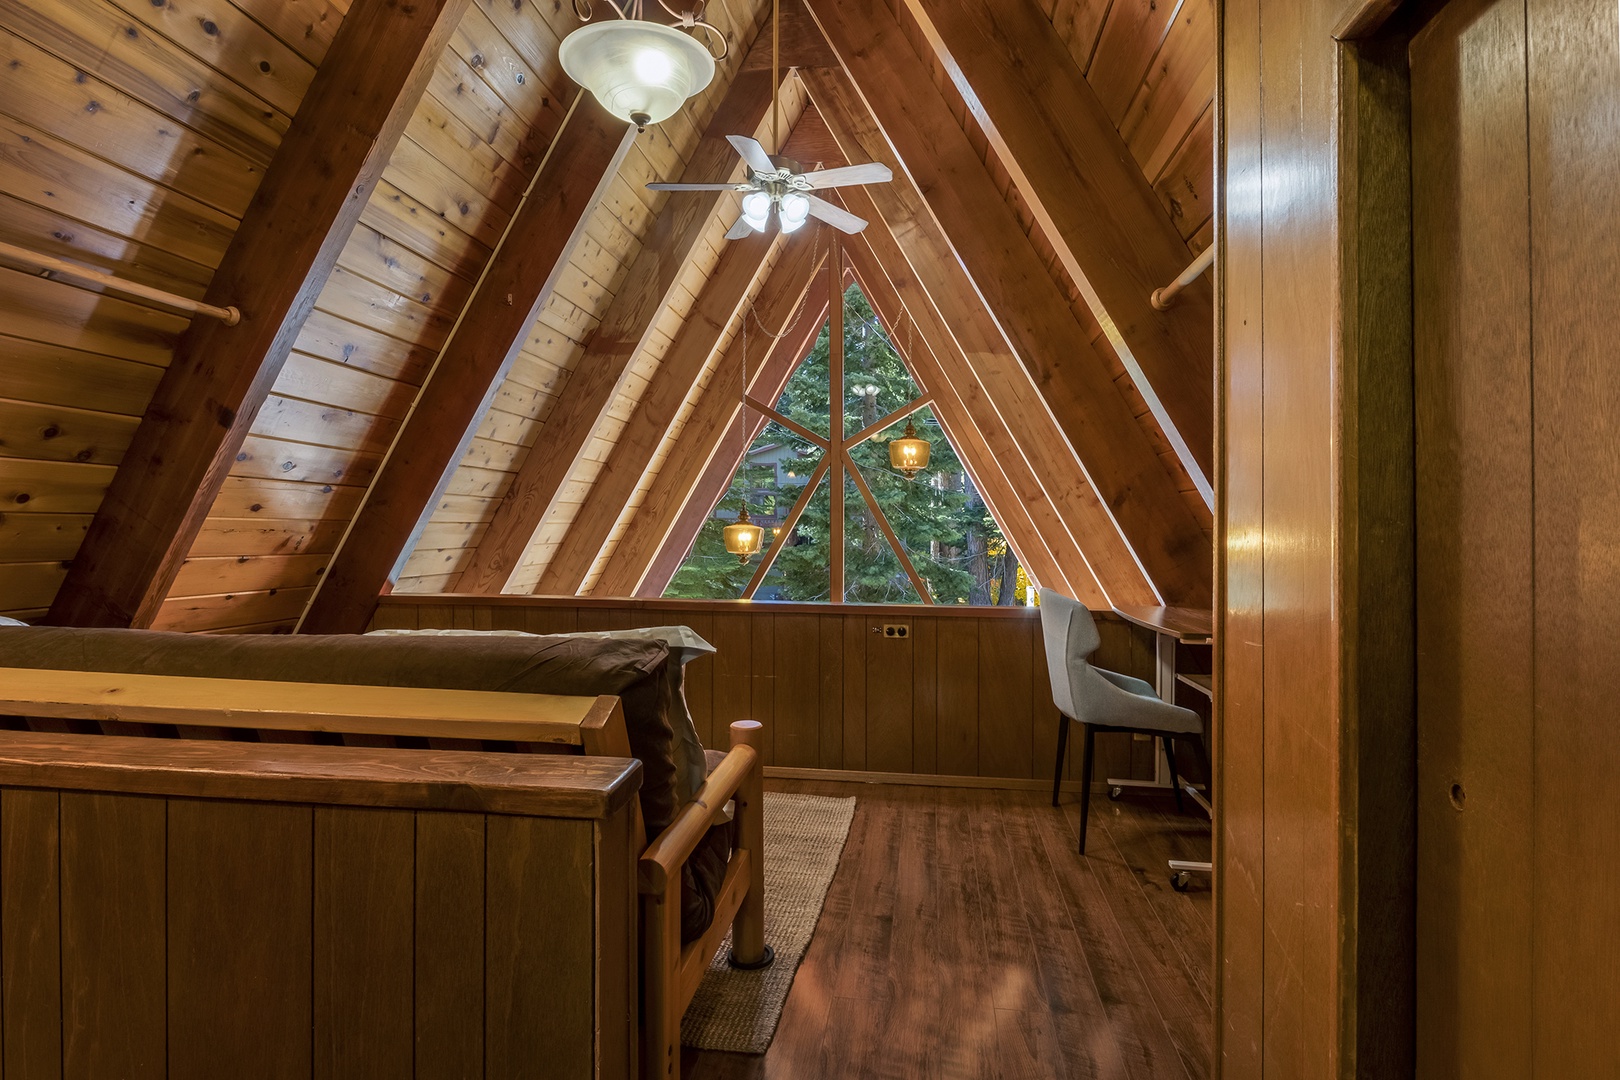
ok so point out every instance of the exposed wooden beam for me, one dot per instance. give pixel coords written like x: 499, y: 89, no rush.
x: 998, y: 468
x: 523, y: 270
x: 312, y: 195
x: 1077, y: 176
x: 989, y: 378
x: 882, y: 519
x: 591, y: 388
x: 717, y: 306
x: 711, y: 447
x: 802, y: 42
x: 835, y: 420
x: 1157, y: 533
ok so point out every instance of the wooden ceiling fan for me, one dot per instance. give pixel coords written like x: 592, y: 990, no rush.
x: 781, y: 184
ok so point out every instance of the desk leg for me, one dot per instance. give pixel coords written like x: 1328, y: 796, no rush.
x: 1164, y: 684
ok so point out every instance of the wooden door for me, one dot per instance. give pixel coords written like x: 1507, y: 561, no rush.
x: 1516, y: 222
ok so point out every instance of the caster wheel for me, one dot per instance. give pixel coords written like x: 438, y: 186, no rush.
x: 1181, y: 881
x: 1116, y: 793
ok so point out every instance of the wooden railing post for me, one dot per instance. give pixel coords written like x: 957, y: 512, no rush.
x: 748, y: 948
x: 660, y: 967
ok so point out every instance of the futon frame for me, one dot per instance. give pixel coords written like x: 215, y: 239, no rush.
x: 121, y: 704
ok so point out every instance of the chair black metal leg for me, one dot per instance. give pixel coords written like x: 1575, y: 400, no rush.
x: 1170, y: 759
x: 1086, y: 752
x: 1063, y: 752
x: 1209, y: 773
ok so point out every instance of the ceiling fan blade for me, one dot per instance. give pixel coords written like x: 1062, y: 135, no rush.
x: 693, y: 187
x: 739, y: 229
x: 752, y: 153
x: 836, y: 216
x: 871, y: 173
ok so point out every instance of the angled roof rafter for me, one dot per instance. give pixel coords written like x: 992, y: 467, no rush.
x: 622, y: 334
x: 280, y: 256
x: 706, y: 466
x: 1113, y: 235
x: 911, y: 246
x: 518, y: 280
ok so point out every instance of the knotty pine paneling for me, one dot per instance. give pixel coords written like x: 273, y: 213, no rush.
x: 966, y: 693
x: 132, y: 138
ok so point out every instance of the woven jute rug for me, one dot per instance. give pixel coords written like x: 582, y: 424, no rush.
x: 804, y: 839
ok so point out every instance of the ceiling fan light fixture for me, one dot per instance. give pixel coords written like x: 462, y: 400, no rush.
x: 756, y: 210
x: 794, y: 211
x: 639, y: 71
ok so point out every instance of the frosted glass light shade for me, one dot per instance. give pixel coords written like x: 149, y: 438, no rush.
x: 795, y: 211
x: 640, y: 71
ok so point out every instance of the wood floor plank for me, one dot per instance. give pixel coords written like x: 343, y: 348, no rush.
x: 964, y: 937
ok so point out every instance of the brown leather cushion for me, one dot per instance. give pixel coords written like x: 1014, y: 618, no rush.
x: 704, y: 872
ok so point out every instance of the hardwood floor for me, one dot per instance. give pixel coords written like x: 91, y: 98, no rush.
x: 965, y: 937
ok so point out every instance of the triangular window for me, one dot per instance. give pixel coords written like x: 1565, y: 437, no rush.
x: 899, y: 530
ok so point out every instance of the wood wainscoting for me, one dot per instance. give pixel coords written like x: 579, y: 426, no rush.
x: 965, y: 693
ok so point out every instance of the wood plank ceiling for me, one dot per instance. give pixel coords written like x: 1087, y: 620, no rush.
x: 134, y: 136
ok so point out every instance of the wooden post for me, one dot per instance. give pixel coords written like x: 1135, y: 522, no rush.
x: 660, y: 974
x: 835, y: 420
x: 748, y: 949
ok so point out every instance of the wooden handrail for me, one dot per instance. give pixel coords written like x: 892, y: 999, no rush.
x: 1164, y: 299
x: 661, y: 862
x: 348, y: 709
x: 85, y: 277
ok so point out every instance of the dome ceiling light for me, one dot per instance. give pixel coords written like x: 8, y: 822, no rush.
x: 780, y: 185
x: 641, y: 71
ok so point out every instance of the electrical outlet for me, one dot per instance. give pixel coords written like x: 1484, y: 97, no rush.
x: 891, y: 629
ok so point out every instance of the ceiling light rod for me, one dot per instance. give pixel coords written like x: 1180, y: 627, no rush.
x: 642, y: 71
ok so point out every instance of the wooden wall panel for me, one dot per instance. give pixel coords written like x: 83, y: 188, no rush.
x: 30, y: 933
x: 965, y: 693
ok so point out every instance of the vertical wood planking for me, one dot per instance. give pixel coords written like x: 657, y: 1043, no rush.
x: 699, y: 683
x: 1574, y: 85
x: 924, y: 695
x: 855, y: 705
x: 449, y: 979
x: 239, y: 900
x: 364, y: 943
x: 830, y: 692
x: 957, y: 680
x: 1240, y: 729
x: 762, y: 681
x: 1006, y: 746
x: 617, y: 943
x: 732, y: 690
x: 30, y: 934
x: 113, y: 929
x: 1475, y: 541
x: 797, y: 669
x: 889, y: 700
x: 539, y: 920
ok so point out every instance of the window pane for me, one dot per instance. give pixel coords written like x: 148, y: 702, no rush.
x: 876, y: 380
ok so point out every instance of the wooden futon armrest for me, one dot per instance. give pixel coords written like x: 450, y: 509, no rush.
x: 662, y: 861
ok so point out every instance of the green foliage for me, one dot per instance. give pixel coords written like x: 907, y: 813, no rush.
x: 937, y: 515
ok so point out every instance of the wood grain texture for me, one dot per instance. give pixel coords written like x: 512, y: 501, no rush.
x: 364, y: 942
x: 623, y: 329
x: 717, y: 306
x: 1022, y: 296
x: 240, y: 900
x: 300, y: 217
x: 1051, y: 131
x: 519, y: 281
x: 1475, y: 542
x: 114, y: 899
x: 30, y: 933
x: 281, y: 773
x: 450, y: 932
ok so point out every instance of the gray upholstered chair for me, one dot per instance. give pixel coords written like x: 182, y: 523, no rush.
x: 1101, y: 700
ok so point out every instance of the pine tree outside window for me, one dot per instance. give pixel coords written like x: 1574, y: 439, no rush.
x: 937, y: 517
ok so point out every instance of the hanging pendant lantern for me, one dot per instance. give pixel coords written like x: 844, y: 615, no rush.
x: 909, y: 453
x: 640, y: 71
x: 743, y: 537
